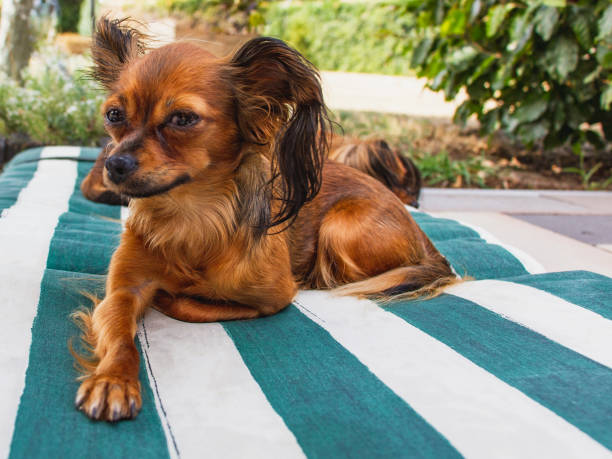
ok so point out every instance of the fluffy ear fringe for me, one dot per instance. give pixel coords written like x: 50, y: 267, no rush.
x: 280, y: 104
x: 115, y: 43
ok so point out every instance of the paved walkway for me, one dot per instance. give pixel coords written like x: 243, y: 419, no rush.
x: 563, y: 230
x: 386, y: 94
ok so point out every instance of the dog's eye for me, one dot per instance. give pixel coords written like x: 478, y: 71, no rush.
x: 183, y: 119
x: 114, y: 115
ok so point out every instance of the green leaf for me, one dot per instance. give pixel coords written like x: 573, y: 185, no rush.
x: 546, y: 20
x: 592, y: 76
x: 464, y: 111
x: 520, y: 32
x: 605, y: 24
x: 533, y: 132
x: 460, y: 58
x: 482, y: 68
x: 421, y: 51
x: 562, y: 57
x: 454, y: 23
x: 606, y: 97
x: 559, y: 3
x: 531, y: 109
x: 436, y: 84
x: 496, y: 17
x: 502, y: 76
x: 489, y: 121
x: 580, y: 25
x: 604, y: 55
x: 475, y: 10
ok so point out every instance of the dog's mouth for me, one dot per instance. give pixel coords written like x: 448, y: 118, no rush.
x: 145, y: 189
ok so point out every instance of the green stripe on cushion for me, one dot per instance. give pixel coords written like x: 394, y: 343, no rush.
x: 476, y: 258
x: 573, y: 386
x: 466, y: 251
x: 27, y: 156
x: 332, y: 403
x: 15, y: 178
x: 583, y: 288
x: 81, y: 231
x: 47, y: 424
x: 442, y: 229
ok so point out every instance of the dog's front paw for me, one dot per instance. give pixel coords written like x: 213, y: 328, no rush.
x: 109, y: 398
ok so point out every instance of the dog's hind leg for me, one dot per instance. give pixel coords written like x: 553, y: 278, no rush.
x: 355, y: 242
x: 188, y: 309
x: 361, y: 252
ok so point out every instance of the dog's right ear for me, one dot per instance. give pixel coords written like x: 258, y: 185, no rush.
x: 114, y: 44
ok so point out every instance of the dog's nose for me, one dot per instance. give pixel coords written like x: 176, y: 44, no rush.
x: 120, y: 167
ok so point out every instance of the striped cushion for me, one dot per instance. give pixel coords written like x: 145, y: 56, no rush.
x: 512, y: 364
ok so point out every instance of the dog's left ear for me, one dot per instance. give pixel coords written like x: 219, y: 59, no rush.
x: 115, y: 43
x: 280, y: 103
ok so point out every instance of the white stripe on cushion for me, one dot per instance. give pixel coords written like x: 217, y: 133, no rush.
x: 26, y: 229
x: 210, y: 401
x: 572, y: 326
x: 477, y: 412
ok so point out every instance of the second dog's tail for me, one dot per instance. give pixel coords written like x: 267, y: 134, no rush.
x: 427, y: 279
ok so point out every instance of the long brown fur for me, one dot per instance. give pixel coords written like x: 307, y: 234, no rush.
x: 377, y: 159
x: 234, y: 205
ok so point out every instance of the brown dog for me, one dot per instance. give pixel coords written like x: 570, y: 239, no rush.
x: 377, y: 159
x: 233, y: 205
x: 373, y: 157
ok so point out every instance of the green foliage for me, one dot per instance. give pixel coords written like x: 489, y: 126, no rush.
x: 586, y: 175
x: 69, y: 15
x: 193, y: 6
x: 334, y: 35
x: 540, y: 70
x: 52, y: 107
x: 228, y: 16
x: 440, y: 170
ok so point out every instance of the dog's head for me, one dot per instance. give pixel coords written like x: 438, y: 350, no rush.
x: 178, y: 114
x: 377, y: 159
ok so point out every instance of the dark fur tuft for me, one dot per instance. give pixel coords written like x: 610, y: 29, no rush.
x: 280, y: 104
x: 115, y: 43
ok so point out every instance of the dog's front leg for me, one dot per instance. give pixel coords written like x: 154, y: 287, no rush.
x: 112, y: 390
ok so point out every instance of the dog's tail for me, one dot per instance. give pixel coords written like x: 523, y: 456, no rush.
x: 427, y: 279
x: 377, y: 159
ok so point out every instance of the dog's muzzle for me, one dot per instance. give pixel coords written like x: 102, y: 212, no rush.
x: 120, y: 167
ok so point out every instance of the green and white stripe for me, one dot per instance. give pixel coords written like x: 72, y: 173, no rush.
x: 513, y: 364
x: 34, y: 200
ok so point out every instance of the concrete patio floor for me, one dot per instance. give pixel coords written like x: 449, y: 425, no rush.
x: 562, y: 230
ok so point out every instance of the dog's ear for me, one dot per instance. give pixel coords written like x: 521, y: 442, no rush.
x: 280, y: 103
x: 114, y: 44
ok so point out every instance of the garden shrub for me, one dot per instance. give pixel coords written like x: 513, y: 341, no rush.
x: 69, y: 15
x: 540, y: 70
x: 52, y: 107
x: 334, y: 35
x: 193, y: 6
